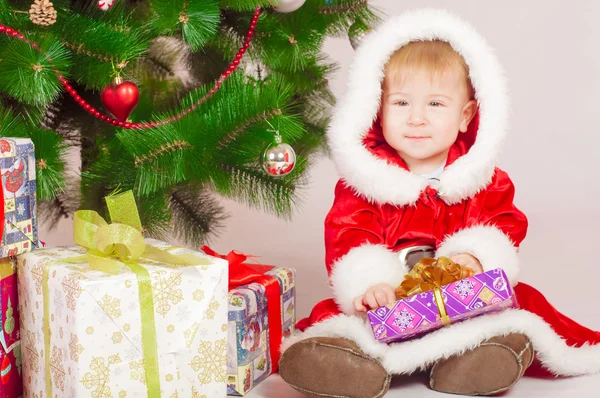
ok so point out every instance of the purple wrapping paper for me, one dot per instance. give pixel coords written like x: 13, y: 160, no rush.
x: 467, y: 298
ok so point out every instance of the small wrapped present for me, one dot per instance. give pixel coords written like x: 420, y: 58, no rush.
x: 121, y: 316
x: 11, y: 385
x: 437, y: 293
x: 18, y: 210
x: 261, y: 313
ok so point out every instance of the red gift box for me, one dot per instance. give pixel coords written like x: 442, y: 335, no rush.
x: 11, y: 384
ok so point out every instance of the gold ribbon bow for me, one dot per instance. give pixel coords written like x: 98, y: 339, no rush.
x: 110, y: 248
x: 431, y: 274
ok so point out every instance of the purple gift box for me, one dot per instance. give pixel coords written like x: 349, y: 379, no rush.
x: 467, y: 298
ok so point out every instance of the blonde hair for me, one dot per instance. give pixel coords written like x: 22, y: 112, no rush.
x: 435, y: 57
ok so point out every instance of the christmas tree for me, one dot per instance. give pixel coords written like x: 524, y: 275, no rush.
x: 175, y: 99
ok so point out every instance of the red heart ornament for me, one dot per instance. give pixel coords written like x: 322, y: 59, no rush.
x: 120, y: 99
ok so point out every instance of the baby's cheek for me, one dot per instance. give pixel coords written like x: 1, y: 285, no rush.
x: 392, y: 126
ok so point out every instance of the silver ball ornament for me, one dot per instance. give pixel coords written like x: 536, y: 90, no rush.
x: 286, y: 6
x: 279, y: 159
x: 357, y: 32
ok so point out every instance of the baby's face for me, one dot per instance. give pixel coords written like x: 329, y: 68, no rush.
x: 422, y: 115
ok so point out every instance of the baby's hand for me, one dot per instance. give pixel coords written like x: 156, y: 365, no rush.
x: 467, y: 260
x: 375, y: 296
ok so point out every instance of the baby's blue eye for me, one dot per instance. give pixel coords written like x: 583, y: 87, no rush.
x: 435, y: 103
x: 401, y: 103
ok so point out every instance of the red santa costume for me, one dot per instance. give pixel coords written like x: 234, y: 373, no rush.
x: 381, y: 208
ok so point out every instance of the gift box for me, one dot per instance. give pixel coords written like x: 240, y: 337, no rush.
x: 11, y: 385
x: 96, y: 325
x: 262, y: 312
x: 17, y: 165
x: 249, y: 359
x: 454, y: 302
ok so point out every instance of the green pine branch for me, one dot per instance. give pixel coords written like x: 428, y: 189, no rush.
x: 174, y: 51
x: 249, y: 184
x: 185, y: 150
x: 246, y: 5
x: 197, y: 215
x: 28, y: 75
x: 49, y: 153
x: 52, y: 211
x: 197, y: 21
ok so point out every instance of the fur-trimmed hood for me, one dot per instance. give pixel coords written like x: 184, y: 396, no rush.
x: 368, y: 164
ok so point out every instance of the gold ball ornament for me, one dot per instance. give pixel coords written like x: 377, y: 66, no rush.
x: 279, y: 159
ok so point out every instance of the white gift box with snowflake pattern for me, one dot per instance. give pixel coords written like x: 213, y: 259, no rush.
x: 95, y: 327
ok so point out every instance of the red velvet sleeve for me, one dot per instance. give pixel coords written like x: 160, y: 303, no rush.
x: 493, y: 228
x: 356, y: 257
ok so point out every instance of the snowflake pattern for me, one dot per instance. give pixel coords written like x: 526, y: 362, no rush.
x: 117, y: 337
x: 99, y: 376
x: 203, y: 332
x: 211, y: 364
x: 57, y: 368
x: 20, y: 209
x: 212, y: 307
x: 183, y: 312
x: 32, y: 354
x: 111, y: 306
x: 37, y: 273
x: 196, y: 394
x: 190, y: 334
x: 72, y: 290
x: 132, y: 353
x: 165, y: 290
x: 74, y: 348
x: 59, y: 305
x: 403, y: 320
x: 464, y: 288
x: 198, y: 295
x: 138, y: 372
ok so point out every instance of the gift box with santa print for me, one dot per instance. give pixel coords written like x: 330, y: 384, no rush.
x: 18, y: 210
x: 438, y: 293
x: 261, y: 313
x: 11, y: 385
x: 122, y: 316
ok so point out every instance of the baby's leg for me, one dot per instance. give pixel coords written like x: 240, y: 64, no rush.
x: 333, y: 367
x: 489, y: 369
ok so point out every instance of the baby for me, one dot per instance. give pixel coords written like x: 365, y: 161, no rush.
x: 427, y: 100
x: 416, y: 140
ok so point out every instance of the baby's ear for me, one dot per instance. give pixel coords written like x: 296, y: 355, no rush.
x: 468, y: 113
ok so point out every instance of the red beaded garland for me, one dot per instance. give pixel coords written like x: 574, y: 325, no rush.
x: 144, y: 125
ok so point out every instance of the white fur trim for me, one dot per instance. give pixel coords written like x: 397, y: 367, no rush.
x: 421, y: 353
x: 488, y: 244
x: 361, y: 268
x: 355, y: 112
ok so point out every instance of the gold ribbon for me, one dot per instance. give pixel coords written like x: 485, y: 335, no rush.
x: 110, y: 247
x: 431, y: 274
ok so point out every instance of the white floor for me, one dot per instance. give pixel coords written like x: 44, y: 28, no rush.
x: 415, y: 386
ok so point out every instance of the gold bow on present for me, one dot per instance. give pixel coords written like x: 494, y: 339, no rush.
x: 431, y: 274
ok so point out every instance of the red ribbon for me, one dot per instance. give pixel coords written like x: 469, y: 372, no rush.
x: 240, y: 274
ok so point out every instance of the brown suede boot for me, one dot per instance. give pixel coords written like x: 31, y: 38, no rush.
x: 333, y: 367
x: 491, y: 368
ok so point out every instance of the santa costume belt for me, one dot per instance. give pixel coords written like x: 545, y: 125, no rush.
x: 413, y: 254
